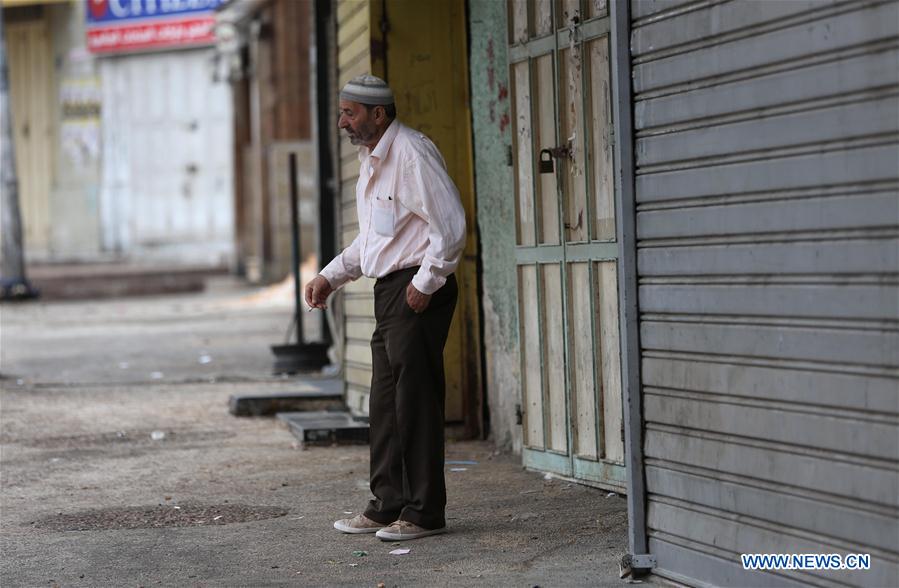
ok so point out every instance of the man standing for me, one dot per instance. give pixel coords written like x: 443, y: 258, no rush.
x: 411, y: 236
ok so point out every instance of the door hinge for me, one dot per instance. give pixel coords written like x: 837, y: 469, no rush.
x: 611, y: 135
x: 635, y: 565
x: 509, y: 160
x: 518, y: 414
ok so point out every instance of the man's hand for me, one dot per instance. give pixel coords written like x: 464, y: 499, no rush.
x: 317, y: 292
x: 416, y: 300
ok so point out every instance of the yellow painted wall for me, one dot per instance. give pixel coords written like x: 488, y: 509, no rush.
x: 32, y: 92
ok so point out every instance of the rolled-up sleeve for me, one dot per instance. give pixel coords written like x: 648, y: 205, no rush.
x: 346, y: 266
x: 427, y: 177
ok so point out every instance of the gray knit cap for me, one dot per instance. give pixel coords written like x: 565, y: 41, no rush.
x: 367, y: 89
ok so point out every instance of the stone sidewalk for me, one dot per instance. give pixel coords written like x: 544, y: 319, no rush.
x: 113, y: 476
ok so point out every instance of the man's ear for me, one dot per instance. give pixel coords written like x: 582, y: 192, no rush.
x: 380, y: 114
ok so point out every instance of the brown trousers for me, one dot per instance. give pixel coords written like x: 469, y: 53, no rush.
x: 406, y: 404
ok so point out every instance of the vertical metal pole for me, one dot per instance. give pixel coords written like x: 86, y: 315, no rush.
x: 322, y: 98
x: 295, y: 247
x: 627, y: 285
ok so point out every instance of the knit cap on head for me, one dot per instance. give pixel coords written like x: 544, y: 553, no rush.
x: 367, y: 89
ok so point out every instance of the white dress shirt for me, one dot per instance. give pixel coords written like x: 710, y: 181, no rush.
x: 409, y: 214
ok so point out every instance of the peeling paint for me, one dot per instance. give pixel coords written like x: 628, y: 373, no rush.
x: 574, y: 94
x: 492, y: 127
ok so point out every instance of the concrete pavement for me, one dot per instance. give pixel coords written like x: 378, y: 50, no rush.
x: 122, y: 467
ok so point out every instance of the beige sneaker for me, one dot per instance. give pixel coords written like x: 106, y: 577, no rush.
x: 358, y: 524
x: 404, y: 530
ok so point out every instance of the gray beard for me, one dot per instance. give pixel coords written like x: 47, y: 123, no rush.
x: 361, y: 138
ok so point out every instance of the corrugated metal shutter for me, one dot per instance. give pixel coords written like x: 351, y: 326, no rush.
x: 353, y: 59
x: 167, y: 165
x: 767, y: 221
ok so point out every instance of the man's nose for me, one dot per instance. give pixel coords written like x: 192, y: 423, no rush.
x: 342, y: 123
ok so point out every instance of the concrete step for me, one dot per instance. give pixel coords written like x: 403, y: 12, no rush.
x: 326, y: 395
x: 325, y: 428
x: 112, y: 280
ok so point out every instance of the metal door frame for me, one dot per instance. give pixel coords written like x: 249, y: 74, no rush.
x: 628, y: 310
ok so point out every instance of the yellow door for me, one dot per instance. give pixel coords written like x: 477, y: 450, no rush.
x: 425, y: 62
x: 31, y: 80
x: 427, y: 66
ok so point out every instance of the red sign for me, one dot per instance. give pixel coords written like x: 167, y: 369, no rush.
x: 162, y: 33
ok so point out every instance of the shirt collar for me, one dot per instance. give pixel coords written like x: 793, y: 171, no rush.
x: 383, y: 147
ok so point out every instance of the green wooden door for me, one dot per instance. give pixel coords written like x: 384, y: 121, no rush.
x: 566, y: 235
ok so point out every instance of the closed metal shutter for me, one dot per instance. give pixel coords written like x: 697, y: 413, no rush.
x: 353, y: 59
x: 167, y: 167
x: 767, y: 222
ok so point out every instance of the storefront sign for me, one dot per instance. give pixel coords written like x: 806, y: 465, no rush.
x: 115, y: 26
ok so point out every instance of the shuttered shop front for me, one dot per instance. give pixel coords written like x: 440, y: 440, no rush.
x: 767, y: 220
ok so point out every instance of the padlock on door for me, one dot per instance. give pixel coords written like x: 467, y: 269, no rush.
x: 545, y: 165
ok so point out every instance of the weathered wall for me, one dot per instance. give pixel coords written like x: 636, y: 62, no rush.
x: 496, y: 213
x: 288, y: 119
x: 272, y: 115
x: 74, y: 193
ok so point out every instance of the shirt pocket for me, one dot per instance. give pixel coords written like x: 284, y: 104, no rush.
x: 383, y: 217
